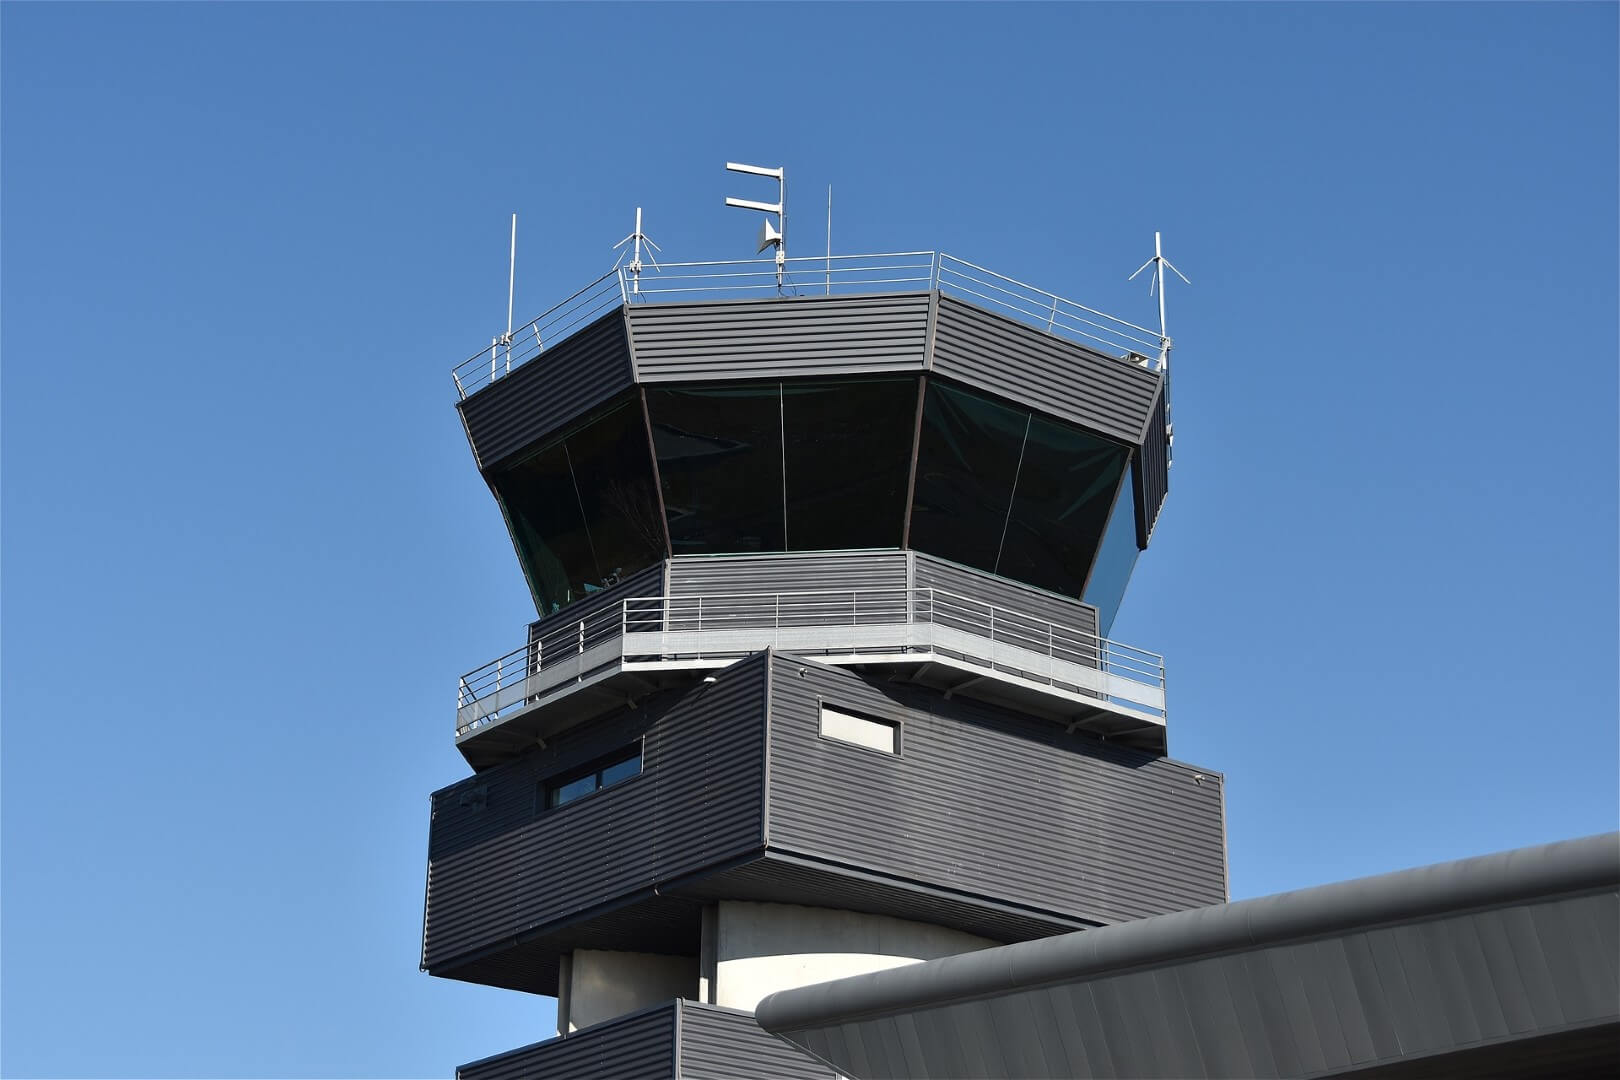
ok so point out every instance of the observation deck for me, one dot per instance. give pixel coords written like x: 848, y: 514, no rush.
x: 959, y: 631
x: 937, y: 471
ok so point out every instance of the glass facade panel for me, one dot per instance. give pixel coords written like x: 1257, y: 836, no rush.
x: 720, y: 462
x: 966, y: 462
x: 1115, y: 561
x: 583, y: 510
x: 613, y: 471
x: 847, y: 456
x: 1060, y: 505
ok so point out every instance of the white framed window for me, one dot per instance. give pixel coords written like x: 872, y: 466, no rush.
x: 880, y: 735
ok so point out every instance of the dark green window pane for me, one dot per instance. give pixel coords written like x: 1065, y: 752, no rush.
x: 847, y: 458
x: 613, y: 471
x: 1115, y: 561
x: 1065, y: 490
x: 966, y: 461
x: 720, y: 461
x: 583, y: 510
x: 543, y: 508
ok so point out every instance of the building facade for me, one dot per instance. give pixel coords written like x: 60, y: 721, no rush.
x: 821, y: 683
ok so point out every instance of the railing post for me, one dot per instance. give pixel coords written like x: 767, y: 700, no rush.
x: 498, y: 674
x: 582, y: 635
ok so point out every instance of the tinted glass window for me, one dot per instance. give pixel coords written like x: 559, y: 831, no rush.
x: 1115, y: 561
x: 594, y: 777
x: 1065, y: 489
x: 966, y: 462
x: 583, y: 510
x: 847, y: 458
x: 613, y: 471
x: 720, y: 461
x: 543, y: 508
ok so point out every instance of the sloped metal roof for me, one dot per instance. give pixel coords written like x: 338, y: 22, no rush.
x: 1504, y: 965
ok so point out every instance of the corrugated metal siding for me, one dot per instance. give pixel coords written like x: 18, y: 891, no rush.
x: 933, y: 572
x: 548, y: 392
x: 989, y: 803
x: 634, y: 1047
x: 996, y: 354
x: 787, y: 338
x: 1150, y: 476
x: 509, y: 868
x: 725, y: 1044
x: 648, y: 582
x: 872, y: 581
x: 1397, y: 1000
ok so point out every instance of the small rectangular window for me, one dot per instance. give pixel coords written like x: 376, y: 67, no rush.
x: 872, y: 734
x: 601, y: 773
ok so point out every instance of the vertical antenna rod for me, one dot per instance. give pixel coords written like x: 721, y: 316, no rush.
x: 768, y: 236
x: 1156, y: 286
x: 637, y: 238
x: 511, y: 280
x: 829, y: 239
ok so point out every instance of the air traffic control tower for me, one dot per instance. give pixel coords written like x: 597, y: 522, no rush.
x: 825, y: 553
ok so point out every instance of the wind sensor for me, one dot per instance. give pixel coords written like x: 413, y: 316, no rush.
x: 634, y: 267
x: 768, y: 236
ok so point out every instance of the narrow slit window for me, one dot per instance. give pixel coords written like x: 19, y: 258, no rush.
x: 872, y: 734
x: 599, y: 774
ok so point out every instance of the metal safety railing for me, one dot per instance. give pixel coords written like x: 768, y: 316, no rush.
x: 846, y: 623
x: 836, y: 275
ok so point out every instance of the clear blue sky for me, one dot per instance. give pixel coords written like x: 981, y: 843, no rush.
x: 246, y: 552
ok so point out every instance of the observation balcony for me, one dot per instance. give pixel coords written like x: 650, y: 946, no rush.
x: 944, y: 626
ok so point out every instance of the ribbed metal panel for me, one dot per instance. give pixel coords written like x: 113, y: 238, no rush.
x: 1536, y: 981
x: 812, y: 571
x: 548, y: 392
x: 989, y: 803
x: 648, y: 582
x: 634, y: 1047
x: 1150, y: 477
x: 994, y: 353
x: 725, y: 1044
x: 500, y: 872
x: 934, y: 572
x: 787, y: 338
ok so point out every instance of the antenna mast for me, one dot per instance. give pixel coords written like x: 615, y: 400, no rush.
x: 768, y: 236
x: 511, y: 281
x: 634, y: 266
x: 1156, y: 286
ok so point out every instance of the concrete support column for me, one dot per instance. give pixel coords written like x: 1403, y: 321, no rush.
x: 596, y: 984
x: 758, y: 949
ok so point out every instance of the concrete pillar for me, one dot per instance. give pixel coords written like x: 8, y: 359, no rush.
x: 596, y: 984
x: 758, y: 949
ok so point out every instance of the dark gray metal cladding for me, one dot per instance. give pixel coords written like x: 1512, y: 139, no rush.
x: 779, y: 338
x: 994, y: 353
x: 633, y: 1047
x: 1505, y: 965
x: 642, y: 584
x: 986, y: 802
x: 932, y: 572
x: 722, y: 1044
x: 494, y: 876
x: 548, y: 393
x: 1150, y: 475
x: 682, y: 1039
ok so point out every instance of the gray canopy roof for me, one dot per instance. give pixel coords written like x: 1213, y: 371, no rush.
x: 1503, y: 965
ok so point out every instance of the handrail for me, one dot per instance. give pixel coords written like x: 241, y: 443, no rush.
x: 769, y: 613
x: 807, y: 276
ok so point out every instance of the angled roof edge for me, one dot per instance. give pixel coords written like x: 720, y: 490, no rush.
x: 1563, y: 868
